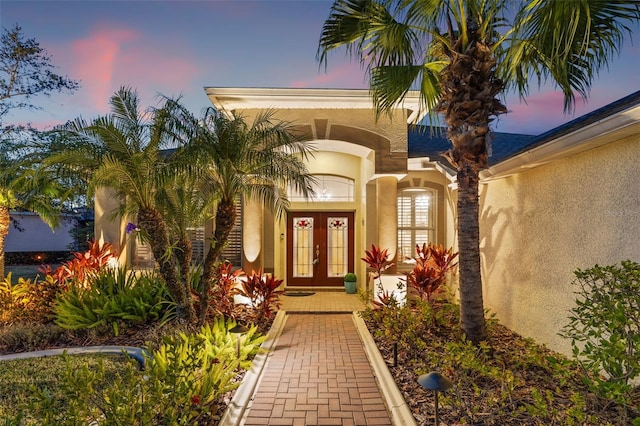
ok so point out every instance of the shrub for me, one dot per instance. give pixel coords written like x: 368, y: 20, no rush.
x: 85, y: 265
x: 221, y: 302
x: 428, y: 276
x: 115, y: 296
x: 604, y: 327
x: 350, y: 277
x: 27, y: 300
x: 263, y: 294
x: 182, y: 384
x: 378, y: 260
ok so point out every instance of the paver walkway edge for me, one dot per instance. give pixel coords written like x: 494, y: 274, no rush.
x: 397, y: 408
x: 242, y: 397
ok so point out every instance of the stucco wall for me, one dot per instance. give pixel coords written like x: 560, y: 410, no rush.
x: 538, y: 226
x: 394, y: 129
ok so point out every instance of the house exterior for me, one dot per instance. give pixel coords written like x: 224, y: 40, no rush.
x: 30, y: 234
x: 549, y: 204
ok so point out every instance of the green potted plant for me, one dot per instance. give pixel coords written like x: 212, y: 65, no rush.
x: 350, y: 280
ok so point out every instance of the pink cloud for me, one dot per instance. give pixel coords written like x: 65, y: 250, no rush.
x: 108, y: 58
x: 94, y: 62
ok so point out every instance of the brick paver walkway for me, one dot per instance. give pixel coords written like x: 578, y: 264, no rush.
x: 318, y: 375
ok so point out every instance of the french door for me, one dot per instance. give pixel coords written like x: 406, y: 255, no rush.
x: 319, y: 248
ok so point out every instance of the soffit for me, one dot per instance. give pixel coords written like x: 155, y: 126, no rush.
x: 228, y: 99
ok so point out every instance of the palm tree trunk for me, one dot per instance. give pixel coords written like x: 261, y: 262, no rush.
x: 151, y: 221
x: 471, y: 304
x: 5, y: 220
x: 184, y: 255
x: 225, y: 219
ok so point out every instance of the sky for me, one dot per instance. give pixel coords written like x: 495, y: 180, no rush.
x: 176, y: 48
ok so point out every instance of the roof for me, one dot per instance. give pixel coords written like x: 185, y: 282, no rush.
x: 608, y: 124
x: 511, y: 152
x: 426, y: 141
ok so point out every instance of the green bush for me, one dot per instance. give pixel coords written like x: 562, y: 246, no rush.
x: 114, y: 297
x: 604, y: 328
x: 350, y: 277
x: 181, y: 385
x: 28, y: 300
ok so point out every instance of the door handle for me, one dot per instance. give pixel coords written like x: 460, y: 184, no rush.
x: 317, y: 259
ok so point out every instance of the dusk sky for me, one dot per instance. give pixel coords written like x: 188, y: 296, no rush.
x: 178, y: 47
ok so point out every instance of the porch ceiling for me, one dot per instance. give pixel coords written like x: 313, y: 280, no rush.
x: 228, y: 99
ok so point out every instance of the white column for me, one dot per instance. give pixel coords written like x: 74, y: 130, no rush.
x: 387, y: 188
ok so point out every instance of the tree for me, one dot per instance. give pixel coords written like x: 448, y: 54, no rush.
x: 461, y: 55
x: 237, y: 159
x: 25, y: 72
x: 122, y: 151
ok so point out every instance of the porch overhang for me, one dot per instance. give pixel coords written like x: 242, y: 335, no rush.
x: 227, y: 99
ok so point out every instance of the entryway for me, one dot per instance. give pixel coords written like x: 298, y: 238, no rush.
x: 319, y: 248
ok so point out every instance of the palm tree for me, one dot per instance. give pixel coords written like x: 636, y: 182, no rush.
x: 185, y: 203
x: 27, y: 185
x: 241, y: 160
x: 461, y: 55
x: 122, y: 151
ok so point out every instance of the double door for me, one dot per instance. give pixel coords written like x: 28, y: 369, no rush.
x: 319, y: 248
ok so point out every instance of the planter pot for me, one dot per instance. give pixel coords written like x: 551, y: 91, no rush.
x: 350, y: 287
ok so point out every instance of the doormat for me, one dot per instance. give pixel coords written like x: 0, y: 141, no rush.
x: 299, y: 293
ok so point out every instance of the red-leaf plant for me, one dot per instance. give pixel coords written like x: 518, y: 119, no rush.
x: 428, y: 276
x: 263, y: 293
x: 83, y: 266
x: 378, y: 260
x: 221, y: 294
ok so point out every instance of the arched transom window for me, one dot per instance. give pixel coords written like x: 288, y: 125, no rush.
x: 328, y: 188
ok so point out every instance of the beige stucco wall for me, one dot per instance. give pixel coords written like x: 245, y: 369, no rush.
x: 393, y: 128
x: 107, y: 227
x: 538, y: 226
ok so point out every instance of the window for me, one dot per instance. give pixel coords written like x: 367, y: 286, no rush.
x: 231, y: 252
x: 416, y: 221
x: 328, y: 188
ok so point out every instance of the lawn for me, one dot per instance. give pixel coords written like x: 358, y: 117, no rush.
x: 25, y: 271
x: 25, y: 381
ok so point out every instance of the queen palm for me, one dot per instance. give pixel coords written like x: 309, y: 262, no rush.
x: 461, y: 55
x: 237, y: 160
x: 122, y: 152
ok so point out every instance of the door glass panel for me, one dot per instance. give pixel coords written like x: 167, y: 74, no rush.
x: 302, y: 246
x: 337, y: 246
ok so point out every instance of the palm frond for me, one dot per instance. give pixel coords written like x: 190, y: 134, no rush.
x: 567, y: 41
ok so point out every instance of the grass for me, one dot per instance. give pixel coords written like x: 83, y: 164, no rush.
x: 25, y: 271
x: 24, y: 380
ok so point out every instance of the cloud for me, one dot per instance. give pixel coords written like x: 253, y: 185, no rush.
x: 94, y: 62
x: 108, y: 58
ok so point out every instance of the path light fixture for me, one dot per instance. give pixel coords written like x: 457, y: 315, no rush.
x: 435, y: 382
x: 239, y: 329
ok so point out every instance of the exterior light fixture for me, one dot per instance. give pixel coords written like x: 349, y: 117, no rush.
x: 435, y: 382
x: 238, y: 329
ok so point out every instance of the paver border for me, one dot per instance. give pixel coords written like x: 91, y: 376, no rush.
x: 237, y: 408
x: 396, y: 405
